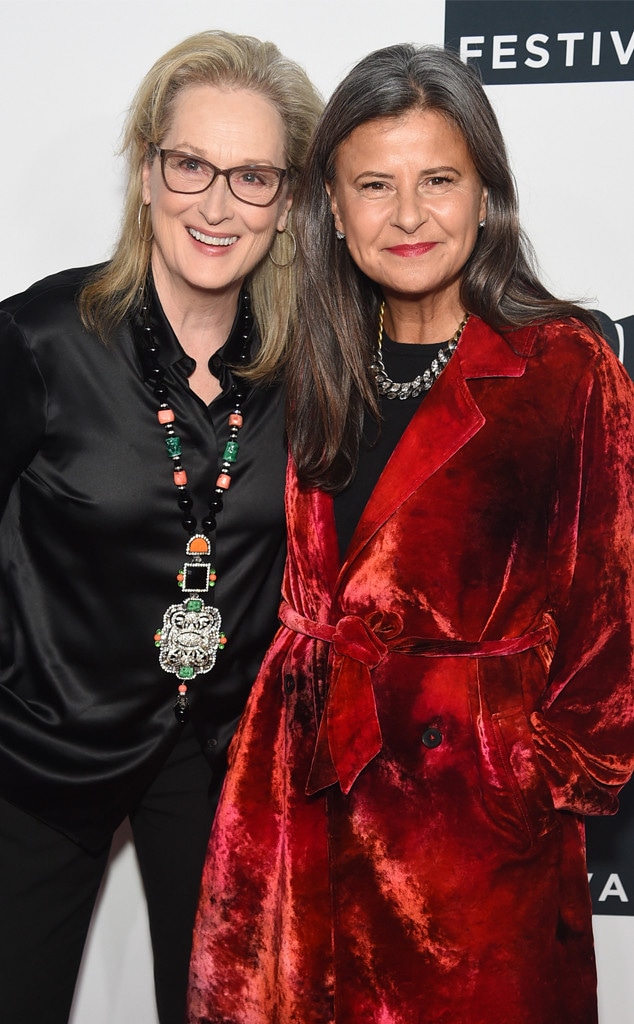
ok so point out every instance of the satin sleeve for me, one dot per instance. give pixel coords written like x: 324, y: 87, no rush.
x: 22, y: 406
x: 584, y: 728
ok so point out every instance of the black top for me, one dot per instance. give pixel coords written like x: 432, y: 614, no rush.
x: 403, y: 362
x: 91, y: 541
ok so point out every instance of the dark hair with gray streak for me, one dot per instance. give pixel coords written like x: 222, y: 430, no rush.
x: 329, y: 378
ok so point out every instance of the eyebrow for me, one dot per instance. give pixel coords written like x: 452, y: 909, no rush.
x: 190, y: 150
x: 187, y: 147
x: 425, y: 172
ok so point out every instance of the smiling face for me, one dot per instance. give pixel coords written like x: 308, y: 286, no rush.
x: 205, y: 244
x: 408, y: 198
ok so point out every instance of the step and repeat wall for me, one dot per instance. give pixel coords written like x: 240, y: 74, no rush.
x: 560, y: 75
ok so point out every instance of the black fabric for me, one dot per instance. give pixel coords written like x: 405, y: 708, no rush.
x: 403, y: 362
x: 91, y: 541
x: 48, y: 888
x: 171, y: 826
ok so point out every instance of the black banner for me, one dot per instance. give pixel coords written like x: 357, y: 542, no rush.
x: 610, y: 860
x: 620, y: 336
x: 531, y: 41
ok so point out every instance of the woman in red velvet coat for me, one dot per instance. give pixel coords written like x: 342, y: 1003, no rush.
x: 400, y: 838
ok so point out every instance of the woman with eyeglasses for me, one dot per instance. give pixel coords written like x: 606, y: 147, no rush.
x: 142, y: 528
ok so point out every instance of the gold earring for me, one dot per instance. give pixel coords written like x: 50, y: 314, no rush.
x: 289, y: 263
x: 138, y: 220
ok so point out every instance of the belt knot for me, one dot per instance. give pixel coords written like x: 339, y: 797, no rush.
x: 354, y: 638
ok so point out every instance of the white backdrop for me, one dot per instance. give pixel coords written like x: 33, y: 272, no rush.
x: 67, y: 73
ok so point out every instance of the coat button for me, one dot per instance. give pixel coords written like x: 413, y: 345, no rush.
x: 289, y: 684
x: 211, y: 744
x: 432, y: 738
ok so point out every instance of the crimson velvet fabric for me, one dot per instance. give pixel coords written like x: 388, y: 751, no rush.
x: 400, y: 839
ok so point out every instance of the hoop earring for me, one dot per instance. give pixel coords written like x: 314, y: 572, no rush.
x: 289, y: 263
x: 138, y: 220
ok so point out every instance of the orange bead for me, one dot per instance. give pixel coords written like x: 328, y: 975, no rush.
x: 180, y: 478
x: 165, y: 416
x: 235, y: 419
x: 224, y: 481
x: 198, y: 546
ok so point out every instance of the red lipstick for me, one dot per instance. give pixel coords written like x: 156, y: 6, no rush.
x: 418, y: 249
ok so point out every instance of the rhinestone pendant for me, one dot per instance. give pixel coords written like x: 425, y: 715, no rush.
x: 190, y: 638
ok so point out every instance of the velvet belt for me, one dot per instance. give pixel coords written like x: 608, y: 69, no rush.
x: 349, y: 734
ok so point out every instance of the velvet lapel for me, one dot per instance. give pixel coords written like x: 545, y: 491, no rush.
x: 444, y: 422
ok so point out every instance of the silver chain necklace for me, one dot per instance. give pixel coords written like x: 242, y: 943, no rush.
x: 412, y: 388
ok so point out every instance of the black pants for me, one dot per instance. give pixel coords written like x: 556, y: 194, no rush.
x: 48, y: 888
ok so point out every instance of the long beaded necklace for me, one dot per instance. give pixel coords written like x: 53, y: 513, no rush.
x: 412, y: 388
x: 191, y: 634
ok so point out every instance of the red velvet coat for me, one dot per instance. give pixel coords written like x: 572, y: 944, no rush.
x: 400, y: 839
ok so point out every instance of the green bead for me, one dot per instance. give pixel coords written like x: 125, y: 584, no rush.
x: 185, y: 672
x: 194, y: 604
x: 231, y: 451
x: 173, y: 445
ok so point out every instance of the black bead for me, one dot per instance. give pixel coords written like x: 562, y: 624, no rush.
x: 181, y: 708
x: 185, y: 502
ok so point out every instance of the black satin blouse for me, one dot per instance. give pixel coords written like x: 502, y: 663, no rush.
x: 90, y: 544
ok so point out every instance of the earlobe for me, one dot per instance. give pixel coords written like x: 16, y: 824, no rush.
x: 483, y: 204
x: 145, y: 184
x: 334, y: 207
x: 283, y: 218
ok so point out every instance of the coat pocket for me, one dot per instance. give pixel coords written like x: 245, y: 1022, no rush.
x: 515, y: 792
x: 525, y: 781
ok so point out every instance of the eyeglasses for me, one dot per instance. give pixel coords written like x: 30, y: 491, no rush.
x: 188, y: 174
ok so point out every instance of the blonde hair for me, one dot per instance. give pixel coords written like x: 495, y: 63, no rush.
x: 219, y: 59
